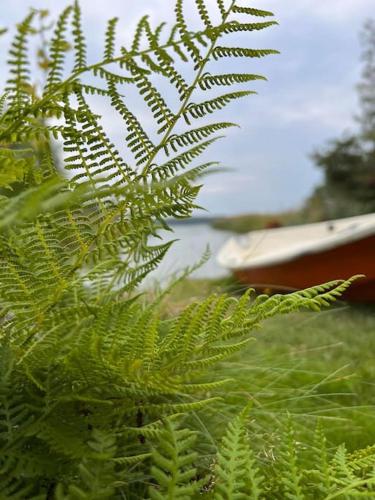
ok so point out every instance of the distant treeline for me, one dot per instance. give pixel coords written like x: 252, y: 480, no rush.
x: 251, y: 222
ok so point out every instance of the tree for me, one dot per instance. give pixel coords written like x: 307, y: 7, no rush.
x: 366, y: 87
x: 348, y: 163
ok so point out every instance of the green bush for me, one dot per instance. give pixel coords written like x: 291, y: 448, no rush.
x: 97, y: 385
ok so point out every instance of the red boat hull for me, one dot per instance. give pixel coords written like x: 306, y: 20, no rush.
x: 343, y: 261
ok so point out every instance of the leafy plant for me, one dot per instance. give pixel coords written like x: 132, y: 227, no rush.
x: 89, y: 369
x: 241, y: 473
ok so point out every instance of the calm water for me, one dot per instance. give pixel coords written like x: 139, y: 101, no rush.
x: 193, y: 241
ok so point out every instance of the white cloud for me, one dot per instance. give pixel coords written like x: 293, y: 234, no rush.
x: 330, y: 107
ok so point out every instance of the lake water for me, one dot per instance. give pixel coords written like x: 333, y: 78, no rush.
x: 193, y: 240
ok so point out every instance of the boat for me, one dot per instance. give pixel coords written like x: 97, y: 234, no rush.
x: 285, y: 259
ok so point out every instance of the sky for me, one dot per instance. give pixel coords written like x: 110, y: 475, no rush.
x: 309, y: 98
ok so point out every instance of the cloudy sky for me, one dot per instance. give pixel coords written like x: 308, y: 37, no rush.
x: 309, y: 98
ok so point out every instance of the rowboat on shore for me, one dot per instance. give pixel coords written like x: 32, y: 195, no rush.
x: 291, y: 258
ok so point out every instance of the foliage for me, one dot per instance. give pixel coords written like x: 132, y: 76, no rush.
x: 241, y: 473
x: 90, y: 370
x: 349, y: 180
x: 367, y: 83
x: 348, y: 162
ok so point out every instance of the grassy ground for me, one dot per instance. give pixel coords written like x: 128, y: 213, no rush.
x: 307, y: 364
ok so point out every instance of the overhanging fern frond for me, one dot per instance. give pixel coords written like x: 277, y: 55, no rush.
x: 79, y: 38
x: 201, y: 109
x: 109, y: 50
x: 182, y: 160
x: 220, y: 52
x: 207, y: 81
x: 203, y: 13
x: 236, y: 27
x: 193, y: 136
x: 18, y: 84
x: 58, y: 48
x: 251, y: 11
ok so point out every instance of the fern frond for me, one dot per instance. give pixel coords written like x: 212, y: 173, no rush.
x: 291, y: 475
x: 152, y: 97
x: 173, y: 465
x: 237, y: 475
x: 18, y: 85
x: 220, y: 52
x: 94, y: 367
x: 188, y: 43
x: 221, y: 7
x: 110, y: 76
x: 362, y: 459
x: 79, y: 38
x: 203, y: 13
x: 180, y: 18
x: 201, y: 109
x: 138, y: 141
x: 139, y: 30
x: 251, y: 11
x: 97, y: 477
x: 236, y: 27
x: 207, y: 81
x: 110, y: 34
x: 321, y: 467
x: 193, y: 136
x: 58, y: 48
x: 182, y: 160
x: 105, y: 160
x: 169, y: 70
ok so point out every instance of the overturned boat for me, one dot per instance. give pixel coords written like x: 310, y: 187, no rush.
x: 290, y: 258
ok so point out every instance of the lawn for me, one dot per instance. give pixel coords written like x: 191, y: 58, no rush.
x: 308, y: 365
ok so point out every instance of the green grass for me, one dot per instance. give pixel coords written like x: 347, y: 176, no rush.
x: 309, y: 365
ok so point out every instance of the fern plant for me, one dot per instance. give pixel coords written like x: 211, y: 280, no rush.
x: 239, y: 472
x: 89, y: 369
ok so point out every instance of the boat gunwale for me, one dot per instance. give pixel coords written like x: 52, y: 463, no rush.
x: 299, y: 250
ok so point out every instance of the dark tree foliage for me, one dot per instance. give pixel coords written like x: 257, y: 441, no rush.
x: 366, y: 87
x: 348, y: 163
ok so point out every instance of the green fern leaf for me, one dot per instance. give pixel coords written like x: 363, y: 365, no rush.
x: 237, y: 475
x: 58, y: 49
x: 18, y: 86
x: 207, y: 81
x: 173, y: 465
x: 220, y: 52
x: 193, y: 136
x: 236, y: 27
x: 203, y: 13
x: 79, y: 39
x: 207, y: 107
x: 291, y: 475
x: 110, y: 39
x: 251, y: 11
